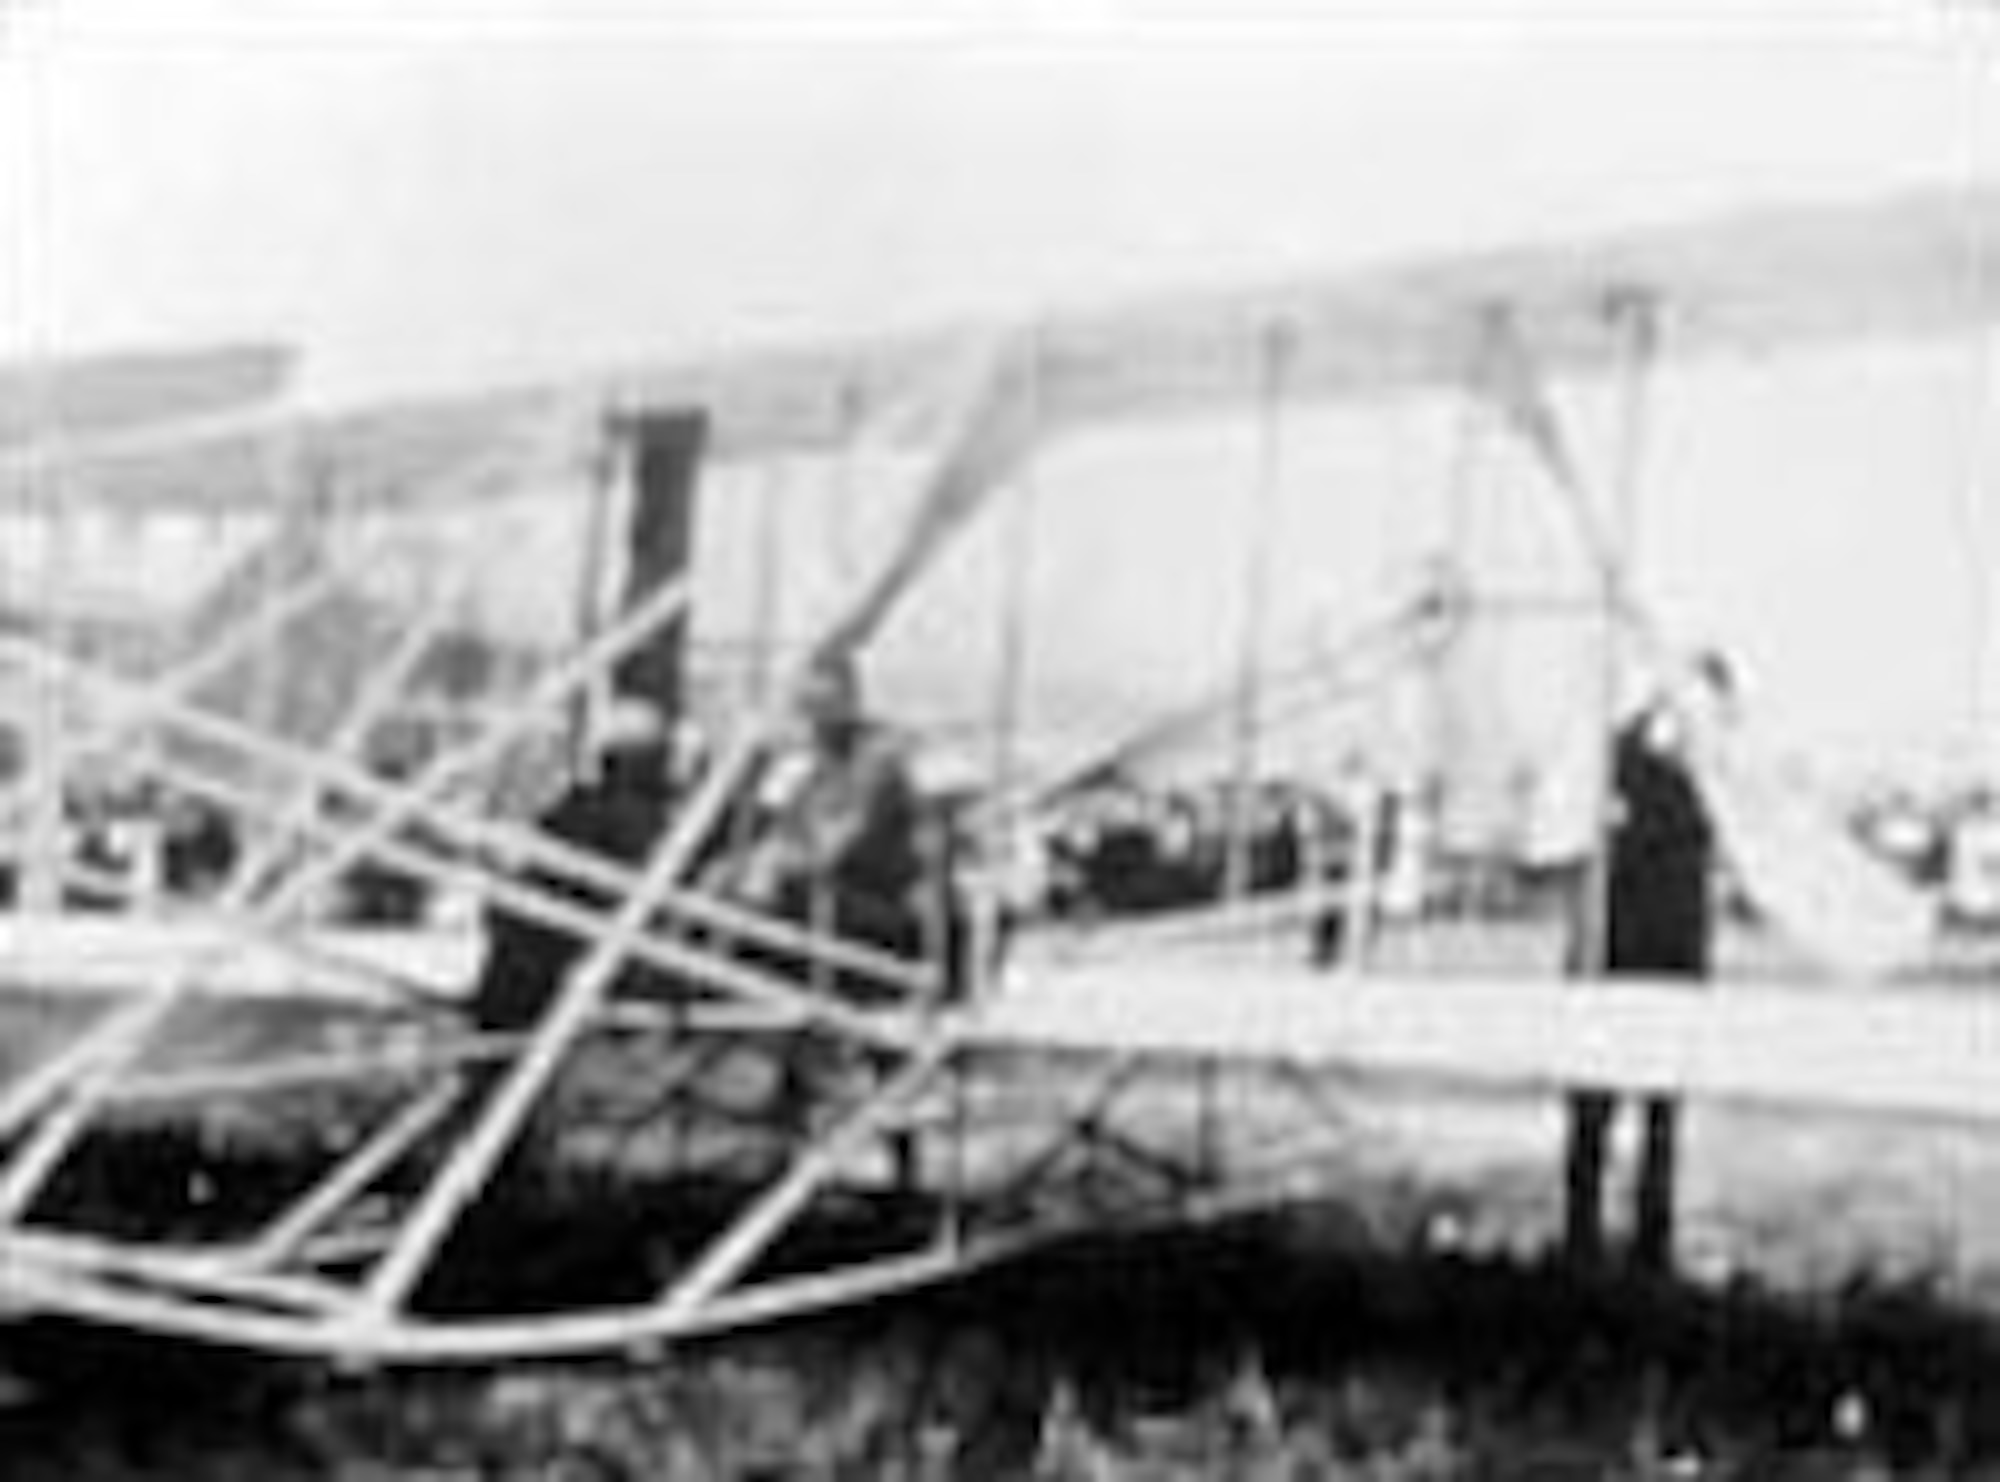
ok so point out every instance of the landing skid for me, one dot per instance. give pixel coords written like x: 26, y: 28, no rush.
x: 721, y: 1178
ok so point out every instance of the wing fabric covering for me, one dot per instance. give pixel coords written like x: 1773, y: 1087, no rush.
x: 1926, y: 262
x: 67, y: 401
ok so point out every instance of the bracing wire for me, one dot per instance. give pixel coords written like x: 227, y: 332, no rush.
x: 766, y: 590
x: 1007, y: 764
x: 767, y: 614
x: 41, y: 868
x: 1275, y: 348
x: 1012, y: 639
x: 40, y: 726
x: 1616, y: 560
x: 845, y: 530
x: 608, y: 471
x: 302, y: 509
x: 1467, y: 442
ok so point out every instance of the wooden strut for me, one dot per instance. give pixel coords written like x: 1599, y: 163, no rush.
x: 198, y: 1275
x: 350, y: 1247
x: 456, y: 827
x: 25, y: 1097
x: 124, y: 1035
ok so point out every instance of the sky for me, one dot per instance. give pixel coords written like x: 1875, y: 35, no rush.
x: 439, y: 193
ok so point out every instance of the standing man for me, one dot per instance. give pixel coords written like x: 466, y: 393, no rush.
x: 1658, y: 915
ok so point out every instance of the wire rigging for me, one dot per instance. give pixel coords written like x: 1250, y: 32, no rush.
x: 1276, y: 347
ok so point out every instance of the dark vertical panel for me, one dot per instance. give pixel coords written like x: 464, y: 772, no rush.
x: 665, y: 451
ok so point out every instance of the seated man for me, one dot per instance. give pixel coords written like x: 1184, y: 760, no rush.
x: 844, y: 853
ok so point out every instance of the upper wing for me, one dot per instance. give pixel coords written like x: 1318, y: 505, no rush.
x: 49, y: 404
x: 1924, y: 262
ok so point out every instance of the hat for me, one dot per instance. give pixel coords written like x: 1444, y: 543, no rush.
x: 831, y: 687
x: 627, y: 723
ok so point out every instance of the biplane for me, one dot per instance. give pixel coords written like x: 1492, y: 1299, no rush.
x: 417, y: 612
